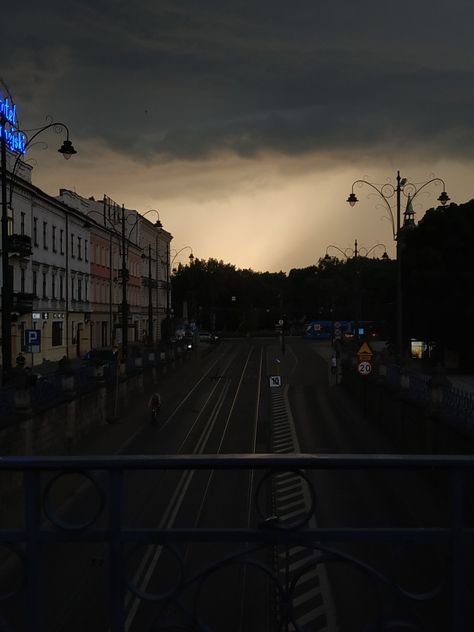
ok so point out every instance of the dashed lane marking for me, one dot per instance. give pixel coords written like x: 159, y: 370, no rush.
x: 312, y: 602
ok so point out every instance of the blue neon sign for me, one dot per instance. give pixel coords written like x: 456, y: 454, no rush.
x: 16, y: 140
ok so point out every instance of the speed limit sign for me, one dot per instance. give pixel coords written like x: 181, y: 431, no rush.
x: 364, y: 368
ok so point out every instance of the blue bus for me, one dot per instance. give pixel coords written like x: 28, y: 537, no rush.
x: 325, y: 329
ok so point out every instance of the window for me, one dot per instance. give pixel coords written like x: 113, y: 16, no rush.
x: 86, y: 254
x: 44, y: 285
x: 35, y: 231
x: 61, y: 244
x: 79, y: 289
x: 57, y: 334
x: 22, y: 224
x: 35, y: 283
x: 54, y: 239
x: 53, y: 287
x: 61, y: 288
x: 22, y: 280
x: 72, y: 245
x: 79, y: 248
x: 85, y: 290
x: 45, y: 235
x: 72, y: 288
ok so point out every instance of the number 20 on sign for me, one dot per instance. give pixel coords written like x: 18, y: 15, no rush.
x: 364, y: 368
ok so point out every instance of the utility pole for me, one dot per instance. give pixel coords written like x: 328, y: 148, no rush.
x: 168, y: 314
x: 150, y: 300
x: 400, y: 349
x: 7, y: 271
x: 124, y: 290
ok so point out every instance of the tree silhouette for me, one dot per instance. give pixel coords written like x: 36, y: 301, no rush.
x: 438, y: 277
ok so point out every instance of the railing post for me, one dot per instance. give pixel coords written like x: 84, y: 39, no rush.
x: 457, y: 550
x: 116, y: 578
x: 32, y: 563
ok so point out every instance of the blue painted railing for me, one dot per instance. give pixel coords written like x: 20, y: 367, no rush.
x: 109, y: 476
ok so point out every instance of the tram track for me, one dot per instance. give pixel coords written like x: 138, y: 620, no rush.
x: 224, y: 394
x: 219, y: 411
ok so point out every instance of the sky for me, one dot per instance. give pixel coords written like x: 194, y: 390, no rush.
x: 245, y: 123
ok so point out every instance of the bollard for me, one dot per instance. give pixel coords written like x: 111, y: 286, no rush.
x: 67, y: 384
x: 22, y: 400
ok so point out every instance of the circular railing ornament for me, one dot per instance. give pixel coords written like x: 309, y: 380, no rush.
x: 51, y: 512
x: 275, y: 521
x: 12, y: 573
x: 159, y: 596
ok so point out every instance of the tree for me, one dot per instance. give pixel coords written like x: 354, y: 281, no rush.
x: 438, y: 275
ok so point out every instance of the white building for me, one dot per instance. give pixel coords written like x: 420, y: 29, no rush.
x: 50, y: 271
x: 67, y: 257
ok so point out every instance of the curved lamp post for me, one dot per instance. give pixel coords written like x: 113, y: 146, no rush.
x: 386, y: 192
x: 9, y: 130
x: 148, y: 256
x: 176, y: 253
x: 170, y: 266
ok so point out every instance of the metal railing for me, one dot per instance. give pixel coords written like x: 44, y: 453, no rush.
x: 108, y: 476
x: 47, y: 390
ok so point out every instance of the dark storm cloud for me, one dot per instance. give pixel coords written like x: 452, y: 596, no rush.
x: 188, y: 79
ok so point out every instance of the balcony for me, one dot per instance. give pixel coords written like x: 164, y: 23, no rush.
x: 146, y: 282
x: 19, y: 246
x: 109, y: 481
x: 22, y: 303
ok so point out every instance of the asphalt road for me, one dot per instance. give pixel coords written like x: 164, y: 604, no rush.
x: 223, y: 403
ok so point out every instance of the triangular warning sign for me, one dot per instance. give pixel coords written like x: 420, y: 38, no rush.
x: 365, y: 350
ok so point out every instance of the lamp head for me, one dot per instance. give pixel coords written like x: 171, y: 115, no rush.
x: 67, y: 149
x: 443, y: 198
x: 352, y: 199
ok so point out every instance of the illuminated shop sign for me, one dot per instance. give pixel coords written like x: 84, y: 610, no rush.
x: 15, y: 140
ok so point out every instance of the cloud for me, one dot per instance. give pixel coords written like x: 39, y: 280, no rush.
x: 177, y: 80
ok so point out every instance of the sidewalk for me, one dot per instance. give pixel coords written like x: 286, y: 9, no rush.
x: 464, y: 383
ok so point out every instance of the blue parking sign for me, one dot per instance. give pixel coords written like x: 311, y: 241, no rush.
x: 33, y: 340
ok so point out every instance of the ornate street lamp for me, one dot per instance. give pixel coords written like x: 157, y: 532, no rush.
x: 350, y: 253
x: 18, y: 142
x: 355, y: 253
x: 170, y: 266
x: 386, y: 192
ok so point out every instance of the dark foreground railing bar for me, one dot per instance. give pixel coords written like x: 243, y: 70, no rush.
x: 107, y: 474
x: 269, y: 461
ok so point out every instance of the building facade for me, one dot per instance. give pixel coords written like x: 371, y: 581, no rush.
x: 69, y: 255
x: 51, y: 277
x: 125, y: 242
